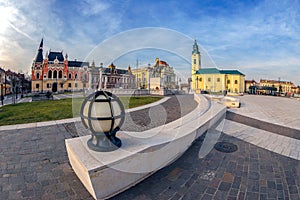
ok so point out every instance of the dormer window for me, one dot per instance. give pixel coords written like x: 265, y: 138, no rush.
x: 56, y: 60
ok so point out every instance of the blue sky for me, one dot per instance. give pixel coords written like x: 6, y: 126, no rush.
x: 259, y: 38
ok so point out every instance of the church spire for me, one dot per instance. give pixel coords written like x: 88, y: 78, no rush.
x: 41, y: 45
x: 195, y: 48
x: 39, y: 56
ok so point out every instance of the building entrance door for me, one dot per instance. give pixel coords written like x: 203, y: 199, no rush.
x: 54, y: 87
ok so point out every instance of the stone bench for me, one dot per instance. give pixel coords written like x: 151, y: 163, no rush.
x: 105, y: 174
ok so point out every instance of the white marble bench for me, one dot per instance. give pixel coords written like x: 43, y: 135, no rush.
x: 105, y: 174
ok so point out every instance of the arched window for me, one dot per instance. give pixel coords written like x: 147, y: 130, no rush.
x: 50, y: 74
x: 60, y: 74
x: 38, y: 75
x: 70, y: 75
x: 55, y: 74
x: 76, y: 76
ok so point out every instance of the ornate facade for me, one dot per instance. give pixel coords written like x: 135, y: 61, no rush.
x: 156, y: 77
x: 55, y: 73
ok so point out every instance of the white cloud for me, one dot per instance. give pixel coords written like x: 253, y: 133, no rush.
x: 92, y: 7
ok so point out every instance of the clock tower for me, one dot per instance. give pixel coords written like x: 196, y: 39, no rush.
x: 196, y: 58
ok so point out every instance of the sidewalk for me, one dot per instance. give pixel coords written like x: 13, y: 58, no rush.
x: 277, y: 110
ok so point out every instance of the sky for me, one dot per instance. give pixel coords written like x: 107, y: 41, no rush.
x: 259, y: 38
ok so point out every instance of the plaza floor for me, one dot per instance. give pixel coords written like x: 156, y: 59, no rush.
x: 34, y: 165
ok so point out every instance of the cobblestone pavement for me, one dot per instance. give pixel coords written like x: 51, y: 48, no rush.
x: 249, y: 173
x: 34, y: 165
x: 34, y: 162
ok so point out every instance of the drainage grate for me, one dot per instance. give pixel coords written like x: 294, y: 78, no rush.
x: 225, y: 147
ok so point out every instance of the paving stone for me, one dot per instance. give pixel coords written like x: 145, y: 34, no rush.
x: 272, y: 193
x: 263, y: 197
x: 271, y: 184
x: 207, y: 197
x: 176, y: 197
x: 262, y: 183
x: 224, y: 186
x: 237, y: 182
x: 228, y: 177
x: 253, y: 175
x: 220, y: 195
x: 173, y: 175
x: 294, y: 197
x: 241, y: 196
x: 191, y: 196
x: 263, y: 190
x: 293, y: 189
x: 252, y: 195
x: 210, y: 190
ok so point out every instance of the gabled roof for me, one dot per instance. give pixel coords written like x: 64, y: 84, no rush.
x: 217, y: 71
x: 208, y: 71
x: 231, y: 71
x: 53, y: 55
x: 76, y: 63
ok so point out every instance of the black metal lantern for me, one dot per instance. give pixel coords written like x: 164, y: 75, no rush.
x: 103, y: 113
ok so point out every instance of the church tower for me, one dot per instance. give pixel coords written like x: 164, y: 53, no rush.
x: 37, y: 70
x: 196, y: 58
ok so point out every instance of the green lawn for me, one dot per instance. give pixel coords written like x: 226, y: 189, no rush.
x: 57, y: 109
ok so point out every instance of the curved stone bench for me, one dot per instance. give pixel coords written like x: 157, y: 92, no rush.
x: 105, y: 174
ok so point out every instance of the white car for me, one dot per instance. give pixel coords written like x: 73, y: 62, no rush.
x: 231, y: 102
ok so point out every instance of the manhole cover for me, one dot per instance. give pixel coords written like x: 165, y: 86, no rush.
x: 225, y: 147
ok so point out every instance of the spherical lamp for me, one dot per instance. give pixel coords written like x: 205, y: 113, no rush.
x: 103, y: 113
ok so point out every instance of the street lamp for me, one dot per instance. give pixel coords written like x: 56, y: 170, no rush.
x: 103, y: 114
x: 2, y: 94
x: 197, y: 83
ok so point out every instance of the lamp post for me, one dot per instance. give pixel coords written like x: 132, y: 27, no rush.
x: 197, y: 83
x: 2, y: 94
x: 103, y: 114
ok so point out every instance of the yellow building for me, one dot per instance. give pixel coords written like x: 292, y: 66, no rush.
x: 156, y: 77
x: 213, y: 79
x: 281, y: 86
x: 142, y: 76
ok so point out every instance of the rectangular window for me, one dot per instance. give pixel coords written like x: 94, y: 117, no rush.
x: 228, y: 81
x: 235, y: 82
x: 218, y: 79
x: 70, y: 85
x: 61, y: 85
x: 209, y: 79
x: 200, y: 79
x: 76, y: 85
x: 195, y: 61
x: 37, y: 85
